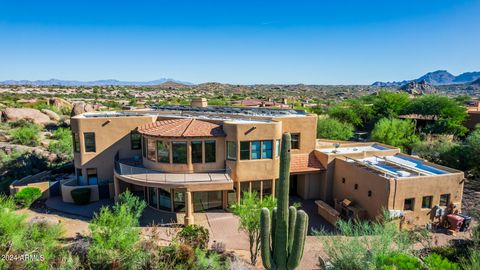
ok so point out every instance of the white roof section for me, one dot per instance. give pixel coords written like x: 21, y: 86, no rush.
x: 353, y: 149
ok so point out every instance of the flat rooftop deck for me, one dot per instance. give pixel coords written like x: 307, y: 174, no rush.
x: 352, y: 149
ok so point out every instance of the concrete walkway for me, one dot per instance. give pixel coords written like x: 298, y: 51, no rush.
x: 86, y: 211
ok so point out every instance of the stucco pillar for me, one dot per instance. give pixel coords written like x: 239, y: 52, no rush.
x: 273, y: 188
x: 116, y: 186
x: 189, y: 208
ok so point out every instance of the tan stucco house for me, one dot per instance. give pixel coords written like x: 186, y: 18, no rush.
x: 200, y: 158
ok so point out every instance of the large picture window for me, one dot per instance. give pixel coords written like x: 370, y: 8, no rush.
x: 210, y: 151
x: 196, y: 152
x: 266, y: 149
x: 179, y: 152
x: 151, y: 151
x: 76, y: 142
x: 255, y: 147
x: 163, y: 152
x: 135, y: 140
x: 89, y: 138
x: 231, y: 151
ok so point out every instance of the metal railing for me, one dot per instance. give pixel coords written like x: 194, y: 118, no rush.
x: 153, y: 176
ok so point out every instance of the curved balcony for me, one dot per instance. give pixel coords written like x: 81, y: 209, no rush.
x: 135, y: 173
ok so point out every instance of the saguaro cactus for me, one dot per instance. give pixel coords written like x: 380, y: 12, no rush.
x: 283, y: 234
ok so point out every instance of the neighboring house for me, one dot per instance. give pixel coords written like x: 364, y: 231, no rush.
x: 473, y: 116
x: 200, y: 158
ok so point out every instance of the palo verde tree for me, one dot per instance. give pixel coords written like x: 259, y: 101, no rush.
x: 283, y: 233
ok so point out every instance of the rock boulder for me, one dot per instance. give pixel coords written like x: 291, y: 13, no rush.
x: 53, y: 115
x: 81, y: 107
x: 60, y: 103
x: 15, y: 114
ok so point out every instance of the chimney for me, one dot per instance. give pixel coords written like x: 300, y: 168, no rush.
x: 199, y: 102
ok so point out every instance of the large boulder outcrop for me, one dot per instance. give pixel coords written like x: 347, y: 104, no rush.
x: 60, y: 103
x: 15, y: 114
x: 51, y: 114
x: 81, y: 107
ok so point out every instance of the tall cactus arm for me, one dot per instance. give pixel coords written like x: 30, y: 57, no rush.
x: 280, y: 254
x: 273, y: 228
x: 291, y: 226
x: 265, y: 239
x: 299, y: 240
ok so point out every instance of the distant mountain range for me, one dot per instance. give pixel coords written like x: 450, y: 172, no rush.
x: 53, y: 82
x: 439, y: 77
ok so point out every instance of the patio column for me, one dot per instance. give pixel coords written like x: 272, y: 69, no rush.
x: 188, y: 208
x: 116, y: 186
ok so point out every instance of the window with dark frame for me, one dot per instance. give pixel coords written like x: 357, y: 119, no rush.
x: 210, y: 151
x: 163, y: 152
x: 231, y: 150
x: 295, y: 139
x: 89, y: 138
x: 409, y: 204
x: 427, y: 202
x: 369, y: 193
x: 152, y: 150
x: 267, y: 149
x: 135, y: 140
x: 255, y: 150
x: 244, y: 150
x: 343, y: 180
x: 196, y: 152
x: 356, y: 186
x: 444, y: 199
x: 76, y: 142
x: 179, y: 152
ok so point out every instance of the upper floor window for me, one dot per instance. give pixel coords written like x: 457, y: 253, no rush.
x: 231, y: 151
x: 179, y: 152
x: 163, y: 152
x: 89, y: 138
x: 144, y: 147
x: 277, y: 148
x: 197, y: 152
x: 151, y: 150
x: 295, y: 138
x: 256, y: 150
x: 135, y: 140
x: 210, y: 151
x: 444, y: 199
x: 76, y: 142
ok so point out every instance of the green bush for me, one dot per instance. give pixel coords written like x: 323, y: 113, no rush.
x: 81, y: 195
x: 62, y: 144
x: 395, y: 132
x: 333, y: 129
x: 27, y: 196
x: 26, y: 134
x: 209, y: 261
x: 194, y: 235
x: 115, y: 239
x: 397, y: 261
x: 437, y: 262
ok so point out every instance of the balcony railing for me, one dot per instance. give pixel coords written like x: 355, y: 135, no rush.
x: 143, y: 174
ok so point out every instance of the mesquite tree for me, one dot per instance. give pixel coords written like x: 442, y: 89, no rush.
x: 283, y: 234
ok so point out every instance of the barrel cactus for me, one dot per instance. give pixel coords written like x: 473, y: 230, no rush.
x: 283, y: 232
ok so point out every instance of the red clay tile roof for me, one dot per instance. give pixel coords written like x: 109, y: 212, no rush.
x: 185, y: 127
x: 305, y: 163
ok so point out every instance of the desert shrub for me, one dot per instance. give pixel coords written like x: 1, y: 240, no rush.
x: 7, y: 202
x: 115, y: 239
x: 133, y: 204
x: 26, y: 134
x: 194, y: 235
x: 18, y: 165
x: 62, y: 144
x: 437, y: 262
x: 361, y: 242
x: 12, y: 226
x: 81, y: 195
x: 397, y: 261
x: 472, y: 262
x: 209, y: 261
x: 176, y: 256
x: 26, y: 196
x: 441, y: 151
x: 333, y: 129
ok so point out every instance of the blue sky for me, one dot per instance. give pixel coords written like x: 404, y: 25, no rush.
x: 241, y: 42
